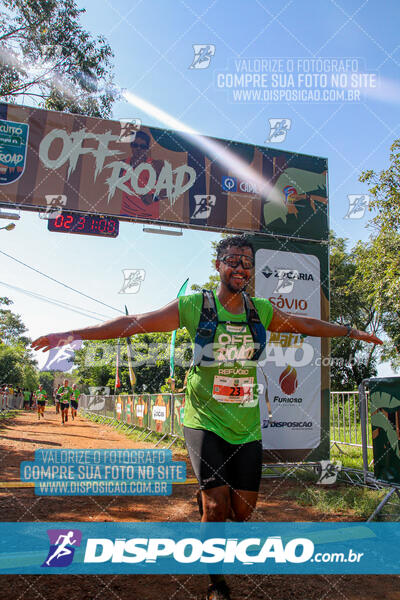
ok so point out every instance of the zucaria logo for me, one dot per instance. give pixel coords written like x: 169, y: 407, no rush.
x: 192, y: 550
x: 290, y: 274
x: 62, y: 547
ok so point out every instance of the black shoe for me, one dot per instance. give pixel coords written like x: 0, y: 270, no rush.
x: 218, y: 591
x: 199, y: 502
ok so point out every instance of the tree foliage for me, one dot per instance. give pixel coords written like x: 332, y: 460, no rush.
x: 385, y: 193
x: 46, y: 55
x: 11, y: 325
x: 96, y: 362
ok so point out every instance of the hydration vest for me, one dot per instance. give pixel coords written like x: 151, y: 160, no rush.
x: 208, y: 324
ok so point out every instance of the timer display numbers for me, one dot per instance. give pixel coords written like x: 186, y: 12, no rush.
x: 73, y: 222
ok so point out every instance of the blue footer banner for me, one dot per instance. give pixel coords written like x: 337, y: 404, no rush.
x: 199, y: 548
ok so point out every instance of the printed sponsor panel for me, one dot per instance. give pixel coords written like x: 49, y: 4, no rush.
x: 157, y: 176
x: 170, y: 548
x: 179, y: 411
x: 384, y: 404
x: 291, y: 419
x: 160, y: 413
x: 140, y: 410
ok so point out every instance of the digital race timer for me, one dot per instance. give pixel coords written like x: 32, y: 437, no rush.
x: 74, y: 222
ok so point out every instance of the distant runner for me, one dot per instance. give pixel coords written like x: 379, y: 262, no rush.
x: 74, y: 401
x: 222, y: 420
x: 65, y: 394
x: 41, y: 397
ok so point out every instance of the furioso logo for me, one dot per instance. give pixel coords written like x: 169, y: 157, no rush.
x: 288, y: 380
x: 62, y: 547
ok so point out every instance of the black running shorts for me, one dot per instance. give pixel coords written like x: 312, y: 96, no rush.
x: 74, y: 404
x: 64, y: 405
x: 216, y: 462
x: 41, y: 402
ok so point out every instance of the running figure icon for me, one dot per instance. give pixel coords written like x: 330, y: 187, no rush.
x: 62, y: 550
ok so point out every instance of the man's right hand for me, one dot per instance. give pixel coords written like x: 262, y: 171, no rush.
x: 52, y: 340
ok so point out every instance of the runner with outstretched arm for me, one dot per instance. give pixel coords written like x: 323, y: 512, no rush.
x: 222, y: 420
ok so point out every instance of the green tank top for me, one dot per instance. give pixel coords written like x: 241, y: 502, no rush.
x: 224, y: 398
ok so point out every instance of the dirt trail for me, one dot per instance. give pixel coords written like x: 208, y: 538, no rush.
x: 24, y: 434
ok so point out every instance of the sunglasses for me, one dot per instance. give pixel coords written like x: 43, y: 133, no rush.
x: 232, y: 260
x: 136, y: 145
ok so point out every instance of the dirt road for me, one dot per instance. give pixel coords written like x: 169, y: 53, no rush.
x: 20, y: 437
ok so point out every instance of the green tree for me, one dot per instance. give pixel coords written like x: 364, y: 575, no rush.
x: 11, y: 325
x: 30, y: 378
x: 378, y: 273
x: 11, y: 365
x: 385, y: 192
x: 46, y: 378
x: 46, y: 55
x: 350, y: 302
x: 96, y: 362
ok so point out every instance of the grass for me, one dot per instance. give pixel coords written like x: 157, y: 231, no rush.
x: 138, y: 435
x: 344, y: 500
x: 350, y: 456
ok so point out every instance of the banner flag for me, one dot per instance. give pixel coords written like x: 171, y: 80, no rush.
x: 117, y: 379
x: 181, y: 292
x: 199, y: 548
x: 132, y: 375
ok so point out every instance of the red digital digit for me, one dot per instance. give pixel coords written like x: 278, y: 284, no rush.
x: 59, y: 221
x: 102, y: 225
x: 81, y: 223
x: 68, y: 221
x: 110, y: 226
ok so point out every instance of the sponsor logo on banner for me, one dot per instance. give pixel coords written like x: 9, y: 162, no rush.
x: 62, y: 547
x: 290, y: 193
x: 288, y: 380
x: 118, y: 408
x: 288, y: 400
x: 248, y: 187
x: 159, y: 413
x: 241, y: 186
x: 287, y: 424
x: 204, y: 204
x: 140, y: 410
x: 229, y: 184
x: 13, y: 146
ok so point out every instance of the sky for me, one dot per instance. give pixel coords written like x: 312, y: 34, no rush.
x: 153, y: 42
